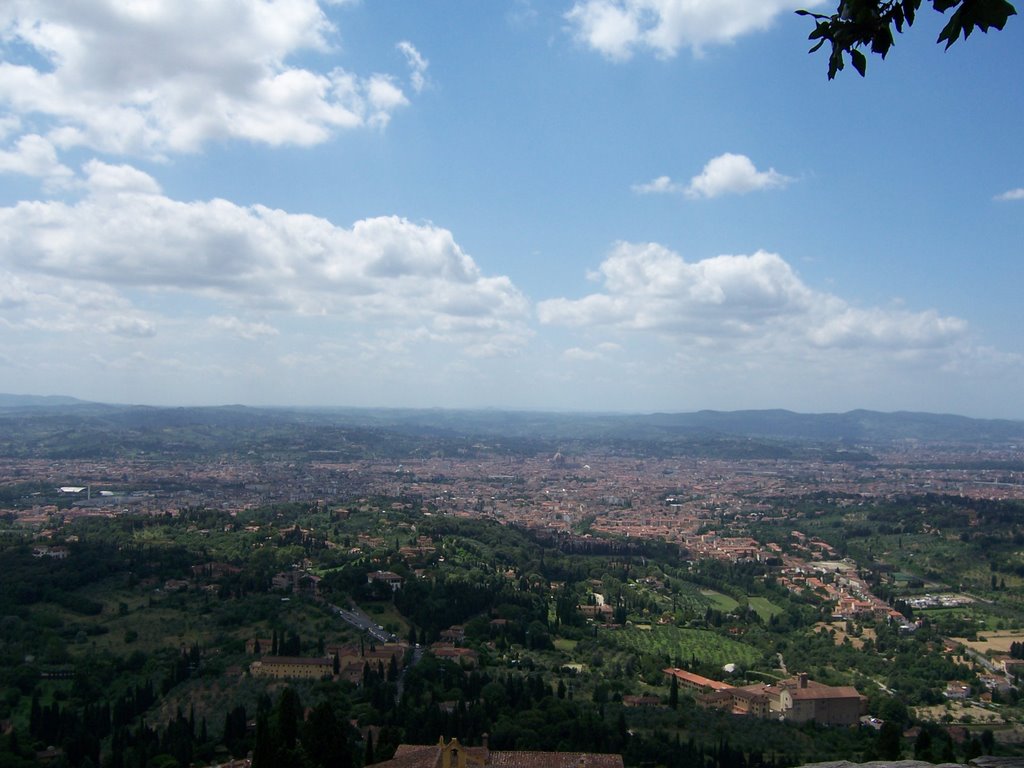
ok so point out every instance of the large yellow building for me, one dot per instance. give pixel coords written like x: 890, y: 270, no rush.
x: 293, y: 667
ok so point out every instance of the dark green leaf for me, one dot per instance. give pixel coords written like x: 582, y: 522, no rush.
x: 909, y: 8
x: 869, y: 24
x: 991, y: 13
x: 835, y: 62
x: 882, y: 41
x: 859, y: 61
x: 897, y: 17
x: 951, y: 31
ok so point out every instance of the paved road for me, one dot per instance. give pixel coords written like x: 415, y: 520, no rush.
x: 361, y: 621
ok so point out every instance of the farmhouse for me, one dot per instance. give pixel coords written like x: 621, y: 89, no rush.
x: 57, y: 553
x: 257, y: 646
x: 647, y: 700
x: 296, y: 581
x: 465, y: 657
x: 390, y: 578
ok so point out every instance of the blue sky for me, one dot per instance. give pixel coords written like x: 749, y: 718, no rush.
x: 629, y: 205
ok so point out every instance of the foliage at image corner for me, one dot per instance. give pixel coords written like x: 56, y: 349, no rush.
x: 870, y: 24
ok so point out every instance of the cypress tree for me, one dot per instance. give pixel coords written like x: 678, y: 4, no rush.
x: 368, y: 754
x: 265, y: 750
x: 287, y: 714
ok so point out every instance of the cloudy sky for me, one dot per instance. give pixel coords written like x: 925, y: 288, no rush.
x: 629, y: 205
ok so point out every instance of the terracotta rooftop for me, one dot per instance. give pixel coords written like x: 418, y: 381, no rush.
x: 455, y: 755
x: 554, y: 760
x: 841, y: 692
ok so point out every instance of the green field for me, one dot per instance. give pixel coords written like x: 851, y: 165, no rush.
x: 765, y: 608
x: 150, y: 620
x: 720, y: 602
x: 679, y: 643
x: 565, y: 645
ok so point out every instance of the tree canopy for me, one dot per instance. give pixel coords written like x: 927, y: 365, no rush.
x: 860, y: 24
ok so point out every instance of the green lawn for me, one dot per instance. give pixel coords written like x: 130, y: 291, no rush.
x: 720, y: 602
x: 565, y: 645
x: 683, y: 644
x: 765, y: 608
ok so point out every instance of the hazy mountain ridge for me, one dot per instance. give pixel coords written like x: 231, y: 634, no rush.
x: 858, y: 426
x: 842, y: 430
x: 37, y: 401
x: 853, y: 426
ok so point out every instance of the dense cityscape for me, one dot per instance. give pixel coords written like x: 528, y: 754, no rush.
x: 856, y: 600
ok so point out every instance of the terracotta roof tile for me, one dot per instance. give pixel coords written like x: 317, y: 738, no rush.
x: 554, y: 760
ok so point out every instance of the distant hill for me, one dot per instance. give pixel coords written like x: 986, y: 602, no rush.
x: 853, y: 426
x: 860, y: 426
x: 37, y: 401
x: 64, y: 427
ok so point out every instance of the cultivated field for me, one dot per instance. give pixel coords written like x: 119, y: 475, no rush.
x: 678, y: 643
x: 997, y: 641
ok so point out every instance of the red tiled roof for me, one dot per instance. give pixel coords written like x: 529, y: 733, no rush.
x: 690, y: 677
x: 554, y: 760
x: 304, y: 661
x: 429, y: 756
x: 842, y: 692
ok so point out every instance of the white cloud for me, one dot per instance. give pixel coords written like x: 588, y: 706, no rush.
x: 730, y: 174
x: 607, y: 26
x: 845, y: 326
x: 739, y: 303
x: 170, y: 75
x: 102, y: 177
x: 577, y: 354
x: 417, y: 65
x: 129, y: 327
x: 618, y: 28
x: 385, y: 97
x: 1011, y: 194
x: 663, y: 185
x: 33, y: 155
x: 723, y: 175
x: 241, y: 328
x: 34, y: 302
x: 125, y: 237
x: 597, y: 353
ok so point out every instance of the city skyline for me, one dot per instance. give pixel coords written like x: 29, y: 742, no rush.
x: 598, y: 205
